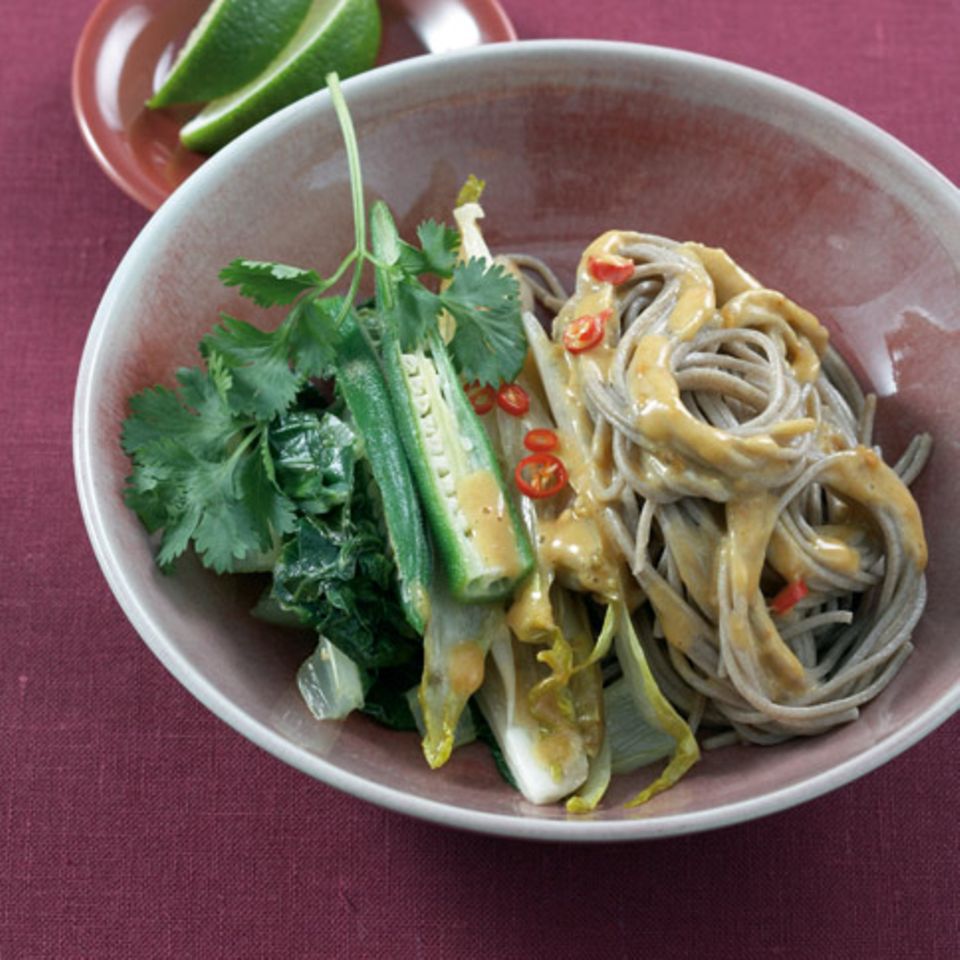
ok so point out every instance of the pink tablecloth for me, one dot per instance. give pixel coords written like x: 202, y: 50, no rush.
x: 133, y: 823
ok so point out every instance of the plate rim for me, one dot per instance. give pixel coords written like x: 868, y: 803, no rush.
x: 86, y: 57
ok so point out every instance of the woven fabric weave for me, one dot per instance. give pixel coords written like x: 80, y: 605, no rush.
x: 133, y: 823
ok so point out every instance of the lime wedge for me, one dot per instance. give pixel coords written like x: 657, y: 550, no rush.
x: 231, y: 44
x: 340, y: 35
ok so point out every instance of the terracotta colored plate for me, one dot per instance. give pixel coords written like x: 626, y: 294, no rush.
x: 127, y: 45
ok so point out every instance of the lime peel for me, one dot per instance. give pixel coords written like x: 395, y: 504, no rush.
x: 232, y: 43
x: 340, y: 35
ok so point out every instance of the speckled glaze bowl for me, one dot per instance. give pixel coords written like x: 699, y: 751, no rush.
x: 573, y: 138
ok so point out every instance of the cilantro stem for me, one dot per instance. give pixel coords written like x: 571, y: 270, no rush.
x: 356, y: 193
x: 257, y: 433
x: 334, y: 277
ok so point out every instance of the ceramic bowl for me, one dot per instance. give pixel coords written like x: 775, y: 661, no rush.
x: 573, y: 138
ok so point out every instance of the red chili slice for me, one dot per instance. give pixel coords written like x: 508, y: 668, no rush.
x: 540, y: 475
x: 481, y: 398
x: 612, y: 269
x: 513, y: 399
x: 586, y: 332
x: 789, y: 596
x: 540, y: 440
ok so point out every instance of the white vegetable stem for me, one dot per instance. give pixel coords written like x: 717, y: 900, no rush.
x: 503, y: 700
x: 329, y: 682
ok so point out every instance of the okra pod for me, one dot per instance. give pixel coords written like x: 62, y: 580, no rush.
x: 361, y: 383
x: 483, y: 546
x: 478, y: 534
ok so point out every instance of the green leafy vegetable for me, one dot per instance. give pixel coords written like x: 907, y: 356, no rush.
x: 437, y: 253
x: 195, y: 412
x: 313, y: 457
x: 269, y: 284
x: 335, y: 574
x: 414, y: 315
x: 312, y: 337
x: 243, y: 461
x: 387, y: 695
x: 203, y: 471
x: 261, y: 381
x: 489, y: 344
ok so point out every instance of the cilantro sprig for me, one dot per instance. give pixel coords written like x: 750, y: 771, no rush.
x: 204, y: 467
x: 488, y: 343
x: 203, y: 472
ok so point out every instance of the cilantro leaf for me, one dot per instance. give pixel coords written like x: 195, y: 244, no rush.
x: 192, y: 497
x: 230, y: 508
x: 268, y: 284
x: 440, y: 244
x: 202, y: 473
x: 415, y: 313
x: 436, y: 255
x: 155, y: 411
x: 272, y: 513
x: 198, y: 414
x: 225, y: 530
x: 410, y: 263
x: 262, y: 382
x: 176, y: 536
x: 155, y: 491
x: 311, y: 338
x: 489, y: 344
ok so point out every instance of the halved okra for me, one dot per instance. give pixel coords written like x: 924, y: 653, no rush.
x: 483, y: 546
x: 481, y: 541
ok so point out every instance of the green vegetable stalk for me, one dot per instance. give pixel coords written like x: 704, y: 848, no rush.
x: 481, y: 541
x: 361, y: 383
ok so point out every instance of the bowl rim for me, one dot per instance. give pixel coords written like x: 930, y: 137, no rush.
x: 517, y: 824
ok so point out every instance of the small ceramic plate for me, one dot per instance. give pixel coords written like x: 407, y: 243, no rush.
x: 128, y: 45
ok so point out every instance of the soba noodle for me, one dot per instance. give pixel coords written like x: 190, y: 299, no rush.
x: 731, y: 453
